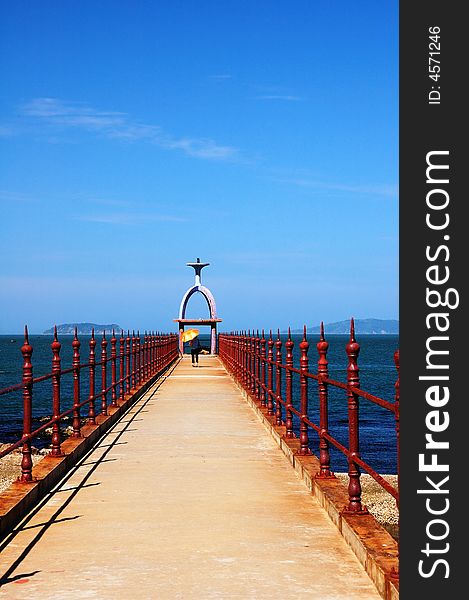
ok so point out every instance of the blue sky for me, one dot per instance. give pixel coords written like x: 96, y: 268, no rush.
x: 136, y: 136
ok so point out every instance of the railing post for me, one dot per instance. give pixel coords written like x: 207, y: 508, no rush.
x: 137, y: 359
x: 229, y: 342
x: 245, y: 361
x: 251, y: 363
x: 323, y: 373
x: 151, y: 371
x: 151, y: 355
x: 141, y: 345
x: 223, y: 351
x: 26, y: 460
x: 76, y: 423
x: 270, y: 367
x: 113, y: 370
x: 128, y: 374
x: 248, y: 360
x: 55, y: 446
x: 229, y: 346
x: 134, y: 361
x: 138, y: 351
x: 92, y: 361
x: 234, y: 342
x: 258, y: 367
x: 263, y: 367
x: 157, y: 352
x: 239, y: 370
x: 223, y: 344
x: 288, y: 387
x: 103, y: 375
x: 161, y: 352
x: 253, y: 366
x: 354, y: 487
x: 242, y: 359
x: 278, y: 380
x: 304, y: 439
x: 121, y: 366
x: 145, y: 357
x: 397, y: 417
x: 141, y: 359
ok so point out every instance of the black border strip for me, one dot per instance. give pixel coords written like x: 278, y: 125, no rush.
x: 431, y: 121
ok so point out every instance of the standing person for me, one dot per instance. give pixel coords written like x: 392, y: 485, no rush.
x: 195, y: 349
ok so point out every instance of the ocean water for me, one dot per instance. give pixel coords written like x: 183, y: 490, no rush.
x: 377, y: 376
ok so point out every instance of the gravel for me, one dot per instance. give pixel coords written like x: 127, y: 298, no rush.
x: 378, y: 502
x: 10, y: 465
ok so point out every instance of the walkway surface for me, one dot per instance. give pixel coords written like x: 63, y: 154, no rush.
x: 187, y: 497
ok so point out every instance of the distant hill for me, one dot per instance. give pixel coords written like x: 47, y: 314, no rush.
x: 362, y: 327
x: 83, y: 328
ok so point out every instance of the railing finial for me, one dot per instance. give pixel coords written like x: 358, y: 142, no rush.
x: 352, y: 330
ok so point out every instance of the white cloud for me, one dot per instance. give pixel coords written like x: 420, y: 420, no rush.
x: 6, y: 131
x: 13, y: 197
x: 279, y: 97
x: 117, y: 125
x: 387, y: 190
x: 220, y: 77
x: 129, y: 218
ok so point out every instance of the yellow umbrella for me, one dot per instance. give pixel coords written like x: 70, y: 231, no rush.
x: 189, y: 334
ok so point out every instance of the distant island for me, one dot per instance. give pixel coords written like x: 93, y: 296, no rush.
x: 362, y: 327
x: 83, y: 328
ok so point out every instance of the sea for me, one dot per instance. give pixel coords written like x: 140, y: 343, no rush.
x: 378, y: 376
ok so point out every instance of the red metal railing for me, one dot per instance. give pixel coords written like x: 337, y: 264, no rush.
x: 259, y: 372
x: 138, y: 363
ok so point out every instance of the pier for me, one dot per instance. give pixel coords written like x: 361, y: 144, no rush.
x: 186, y: 496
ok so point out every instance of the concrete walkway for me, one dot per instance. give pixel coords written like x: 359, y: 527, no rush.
x: 187, y: 497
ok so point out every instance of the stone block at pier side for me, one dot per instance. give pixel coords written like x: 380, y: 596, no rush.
x: 290, y: 447
x: 374, y: 547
